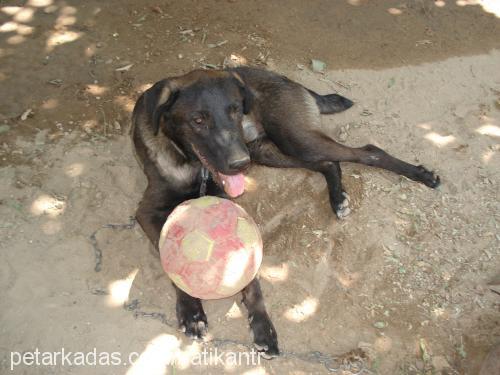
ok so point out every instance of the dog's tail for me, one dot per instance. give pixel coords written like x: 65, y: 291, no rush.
x: 331, y: 103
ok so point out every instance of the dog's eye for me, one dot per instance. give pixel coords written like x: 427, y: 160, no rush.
x: 198, y: 120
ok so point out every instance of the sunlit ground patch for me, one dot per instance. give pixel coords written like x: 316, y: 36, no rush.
x: 489, y: 6
x: 50, y: 104
x: 74, y: 170
x: 24, y: 15
x: 47, y: 205
x: 394, y: 11
x: 491, y: 130
x: 440, y: 140
x: 347, y: 279
x: 61, y: 37
x: 8, y: 27
x: 250, y: 184
x: 96, y: 89
x: 16, y: 39
x: 158, y: 356
x: 10, y: 10
x: 119, y: 290
x: 274, y: 273
x: 40, y: 3
x: 302, y: 311
x: 488, y: 155
x: 234, y: 312
x: 125, y: 102
x: 256, y: 371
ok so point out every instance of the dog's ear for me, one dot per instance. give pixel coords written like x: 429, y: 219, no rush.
x: 248, y: 97
x: 163, y: 108
x: 159, y: 99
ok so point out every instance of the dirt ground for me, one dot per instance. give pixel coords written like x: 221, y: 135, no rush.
x: 408, y: 278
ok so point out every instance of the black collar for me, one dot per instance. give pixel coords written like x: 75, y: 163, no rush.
x: 205, y: 174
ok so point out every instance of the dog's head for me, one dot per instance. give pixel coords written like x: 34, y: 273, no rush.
x: 202, y: 114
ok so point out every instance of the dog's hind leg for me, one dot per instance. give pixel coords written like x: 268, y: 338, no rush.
x: 339, y: 199
x: 264, y: 335
x: 151, y: 214
x: 265, y: 152
x: 313, y: 146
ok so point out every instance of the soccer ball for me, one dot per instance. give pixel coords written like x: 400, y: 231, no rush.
x: 210, y: 247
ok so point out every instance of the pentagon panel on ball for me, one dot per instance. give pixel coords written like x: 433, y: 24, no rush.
x: 210, y: 247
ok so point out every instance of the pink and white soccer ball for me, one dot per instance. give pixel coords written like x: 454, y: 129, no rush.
x: 210, y: 247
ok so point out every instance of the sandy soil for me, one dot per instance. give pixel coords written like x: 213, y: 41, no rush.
x: 406, y: 277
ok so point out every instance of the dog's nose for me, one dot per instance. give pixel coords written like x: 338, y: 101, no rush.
x: 240, y: 163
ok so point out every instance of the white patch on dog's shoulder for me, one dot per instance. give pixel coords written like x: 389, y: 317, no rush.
x: 168, y: 158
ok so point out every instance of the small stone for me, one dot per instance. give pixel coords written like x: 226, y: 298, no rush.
x: 342, y: 136
x: 318, y: 232
x: 380, y: 325
x: 318, y: 66
x: 55, y: 82
x: 124, y: 68
x: 424, y: 351
x: 26, y: 114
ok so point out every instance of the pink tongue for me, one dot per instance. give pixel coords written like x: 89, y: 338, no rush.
x: 233, y: 185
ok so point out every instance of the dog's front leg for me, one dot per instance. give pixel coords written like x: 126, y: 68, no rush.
x: 264, y: 335
x: 190, y: 315
x: 152, y: 213
x: 264, y: 151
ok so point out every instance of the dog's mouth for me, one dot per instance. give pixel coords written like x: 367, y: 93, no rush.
x: 233, y: 185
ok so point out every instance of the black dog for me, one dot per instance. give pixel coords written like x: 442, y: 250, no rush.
x: 219, y: 121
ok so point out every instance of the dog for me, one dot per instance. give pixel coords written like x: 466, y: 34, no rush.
x: 198, y: 133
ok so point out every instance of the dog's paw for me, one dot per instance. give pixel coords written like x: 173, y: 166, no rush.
x: 264, y: 336
x: 427, y: 177
x: 342, y: 209
x: 193, y: 322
